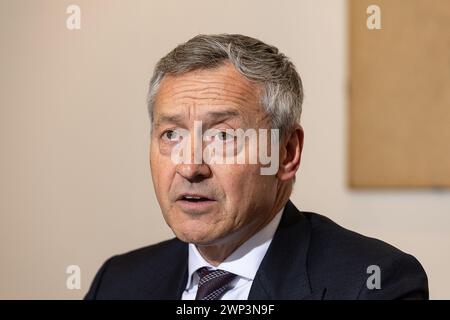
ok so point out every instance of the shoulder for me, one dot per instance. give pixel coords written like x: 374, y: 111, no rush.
x: 334, y: 239
x: 149, y: 256
x: 342, y: 259
x: 127, y: 275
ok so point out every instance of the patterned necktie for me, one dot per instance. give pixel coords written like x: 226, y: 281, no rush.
x: 213, y: 283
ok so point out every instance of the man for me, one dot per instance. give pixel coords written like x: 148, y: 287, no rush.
x: 237, y: 234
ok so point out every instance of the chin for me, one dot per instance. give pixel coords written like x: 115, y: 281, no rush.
x: 195, y: 236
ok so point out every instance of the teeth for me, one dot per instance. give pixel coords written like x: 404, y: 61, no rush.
x: 190, y: 197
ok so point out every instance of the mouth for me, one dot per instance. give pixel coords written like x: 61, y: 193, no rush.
x: 195, y: 202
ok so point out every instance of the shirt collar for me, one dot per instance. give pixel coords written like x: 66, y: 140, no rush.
x: 245, y: 260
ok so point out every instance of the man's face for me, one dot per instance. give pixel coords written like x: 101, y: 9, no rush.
x: 235, y: 199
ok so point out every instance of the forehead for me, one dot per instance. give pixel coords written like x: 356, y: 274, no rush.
x: 201, y: 91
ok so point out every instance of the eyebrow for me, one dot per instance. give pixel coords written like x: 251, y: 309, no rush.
x: 212, y: 117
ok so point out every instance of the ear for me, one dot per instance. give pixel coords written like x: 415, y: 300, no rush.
x: 291, y: 154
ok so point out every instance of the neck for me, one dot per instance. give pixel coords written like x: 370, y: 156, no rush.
x: 215, y: 254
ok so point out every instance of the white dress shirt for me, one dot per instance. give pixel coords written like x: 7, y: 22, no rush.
x: 243, y: 262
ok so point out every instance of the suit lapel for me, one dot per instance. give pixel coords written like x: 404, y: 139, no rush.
x: 283, y: 273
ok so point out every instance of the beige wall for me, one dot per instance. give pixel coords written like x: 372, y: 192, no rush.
x: 75, y: 185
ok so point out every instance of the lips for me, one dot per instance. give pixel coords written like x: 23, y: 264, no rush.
x: 194, y: 197
x: 194, y: 203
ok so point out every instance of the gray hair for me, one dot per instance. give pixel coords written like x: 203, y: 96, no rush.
x: 282, y: 93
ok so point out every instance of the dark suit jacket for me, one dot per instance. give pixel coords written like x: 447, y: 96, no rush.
x: 310, y: 257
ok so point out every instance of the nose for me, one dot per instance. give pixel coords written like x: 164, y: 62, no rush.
x: 194, y: 172
x: 197, y: 170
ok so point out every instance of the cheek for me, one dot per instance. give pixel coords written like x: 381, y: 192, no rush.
x: 162, y: 170
x: 154, y: 165
x: 239, y: 182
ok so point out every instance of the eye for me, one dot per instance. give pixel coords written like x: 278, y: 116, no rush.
x: 224, y: 136
x: 171, y: 135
